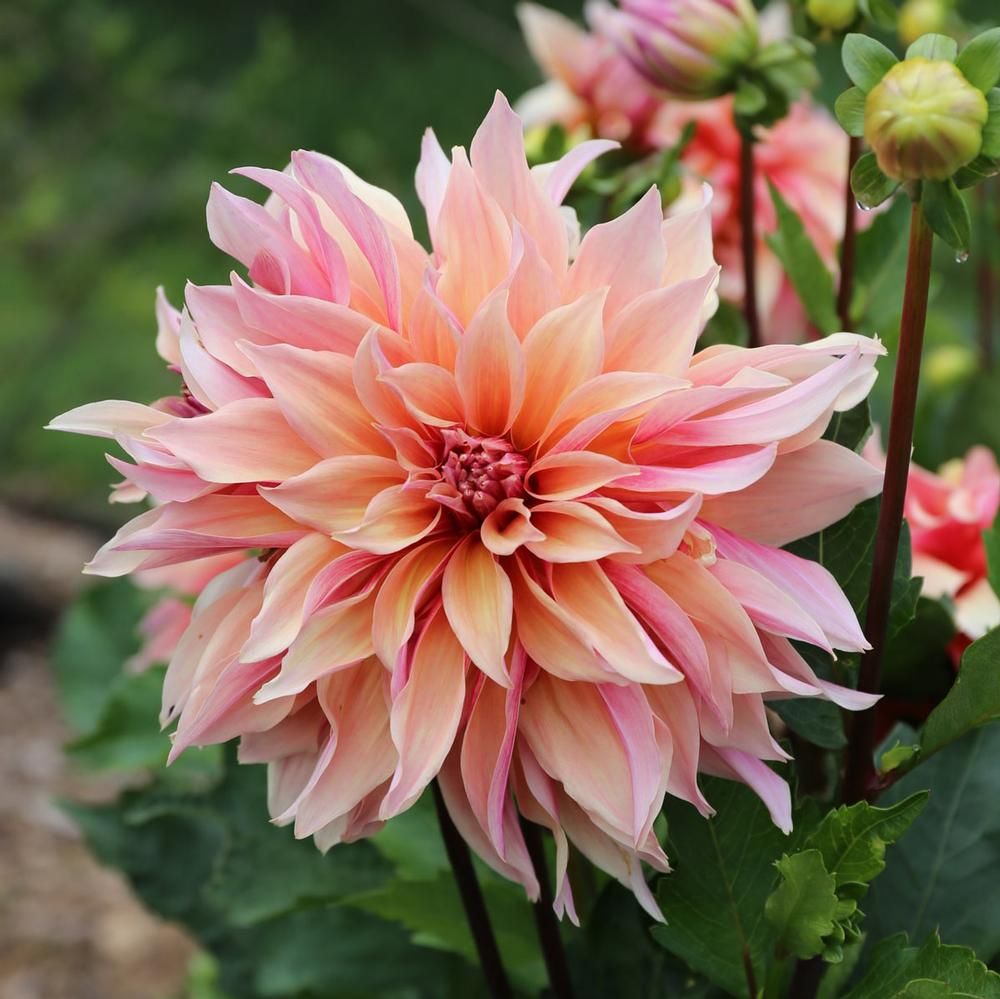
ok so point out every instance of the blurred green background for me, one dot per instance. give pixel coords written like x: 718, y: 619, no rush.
x: 116, y: 116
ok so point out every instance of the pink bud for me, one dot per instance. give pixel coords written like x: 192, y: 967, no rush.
x: 690, y: 48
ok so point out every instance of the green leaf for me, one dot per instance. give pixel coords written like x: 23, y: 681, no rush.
x: 899, y: 755
x: 991, y: 543
x: 937, y: 872
x: 947, y: 213
x: 805, y: 268
x: 852, y: 839
x: 866, y: 60
x: 933, y: 47
x: 816, y: 721
x: 980, y: 60
x: 895, y: 969
x: 881, y: 265
x: 973, y: 701
x: 749, y: 99
x: 870, y: 186
x: 802, y: 909
x: 723, y: 874
x: 980, y: 169
x: 991, y: 130
x: 852, y: 427
x: 916, y: 665
x: 850, y: 111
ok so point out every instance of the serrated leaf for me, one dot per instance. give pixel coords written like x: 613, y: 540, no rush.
x: 850, y: 111
x: 852, y: 839
x: 870, y: 186
x: 714, y: 899
x: 947, y: 213
x: 866, y: 60
x: 933, y: 46
x: 894, y: 965
x: 973, y: 701
x: 805, y: 268
x: 979, y: 61
x: 803, y: 908
x: 936, y: 874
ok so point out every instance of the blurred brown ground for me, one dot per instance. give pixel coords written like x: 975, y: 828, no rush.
x: 69, y: 928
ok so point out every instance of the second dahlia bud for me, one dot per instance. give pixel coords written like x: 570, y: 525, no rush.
x: 691, y: 48
x: 924, y: 120
x: 834, y: 14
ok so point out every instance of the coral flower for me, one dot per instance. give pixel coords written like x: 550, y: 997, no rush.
x: 804, y: 156
x: 947, y: 513
x: 502, y: 526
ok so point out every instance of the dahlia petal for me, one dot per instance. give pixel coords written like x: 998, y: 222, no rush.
x: 783, y: 656
x: 655, y: 534
x: 508, y: 527
x: 425, y: 714
x: 940, y: 579
x: 394, y: 519
x: 434, y: 335
x: 432, y: 178
x: 315, y: 392
x: 429, y: 392
x: 168, y: 321
x: 516, y: 866
x: 113, y: 418
x: 759, y: 777
x: 478, y: 602
x: 164, y: 484
x: 711, y: 478
x: 561, y: 175
x: 296, y: 320
x: 363, y: 755
x: 572, y: 474
x: 469, y: 271
x: 804, y: 492
x: 533, y: 291
x: 564, y: 349
x: 490, y: 369
x: 247, y: 441
x: 210, y: 381
x: 298, y: 733
x: 377, y: 354
x: 688, y: 240
x: 333, y: 495
x: 574, y: 532
x: 346, y: 576
x: 585, y: 592
x: 625, y: 255
x: 808, y: 583
x: 977, y: 610
x: 283, y: 609
x: 221, y: 328
x: 487, y: 752
x: 498, y: 160
x: 404, y: 590
x: 331, y: 640
x: 366, y: 228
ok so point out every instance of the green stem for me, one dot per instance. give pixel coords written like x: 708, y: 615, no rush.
x: 859, y: 776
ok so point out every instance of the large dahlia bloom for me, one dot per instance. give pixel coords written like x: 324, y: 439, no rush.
x: 592, y: 87
x: 501, y: 525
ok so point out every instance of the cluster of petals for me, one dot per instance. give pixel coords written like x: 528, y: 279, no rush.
x: 592, y: 87
x: 495, y: 521
x: 947, y: 513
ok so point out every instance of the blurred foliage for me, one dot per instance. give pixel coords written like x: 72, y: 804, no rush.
x: 115, y: 117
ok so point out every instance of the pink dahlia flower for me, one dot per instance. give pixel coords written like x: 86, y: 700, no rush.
x: 947, y: 513
x: 502, y: 526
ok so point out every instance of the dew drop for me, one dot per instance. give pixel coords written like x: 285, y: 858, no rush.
x: 863, y: 207
x: 961, y: 256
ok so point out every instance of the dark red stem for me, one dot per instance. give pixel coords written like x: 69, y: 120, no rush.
x: 859, y: 775
x: 847, y: 247
x: 748, y: 238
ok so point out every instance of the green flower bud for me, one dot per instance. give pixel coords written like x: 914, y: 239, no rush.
x: 924, y: 120
x: 921, y: 17
x: 834, y: 14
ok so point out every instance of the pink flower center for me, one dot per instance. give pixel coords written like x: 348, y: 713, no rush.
x: 482, y: 470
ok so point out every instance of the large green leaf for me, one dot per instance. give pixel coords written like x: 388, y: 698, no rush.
x: 816, y: 721
x: 979, y: 61
x: 974, y: 700
x: 805, y: 268
x: 802, y: 910
x: 939, y: 872
x: 932, y: 971
x: 866, y: 60
x: 723, y: 874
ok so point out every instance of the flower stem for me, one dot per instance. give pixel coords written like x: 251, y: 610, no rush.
x: 847, y: 246
x: 859, y: 773
x: 472, y: 900
x: 748, y: 238
x: 545, y: 918
x: 986, y: 275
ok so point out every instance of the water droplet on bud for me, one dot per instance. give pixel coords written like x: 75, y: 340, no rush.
x: 863, y: 207
x: 961, y: 256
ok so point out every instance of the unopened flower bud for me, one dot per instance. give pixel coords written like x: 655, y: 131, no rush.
x: 924, y: 120
x: 690, y: 48
x: 921, y: 17
x: 834, y: 14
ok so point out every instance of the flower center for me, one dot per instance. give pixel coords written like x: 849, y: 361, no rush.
x: 482, y: 470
